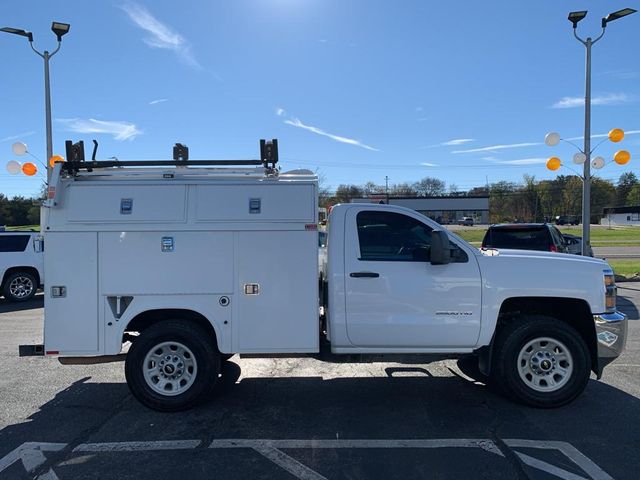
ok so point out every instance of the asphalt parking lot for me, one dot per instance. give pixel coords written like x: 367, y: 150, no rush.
x: 306, y: 419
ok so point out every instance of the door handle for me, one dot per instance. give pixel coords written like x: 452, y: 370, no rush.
x: 364, y: 274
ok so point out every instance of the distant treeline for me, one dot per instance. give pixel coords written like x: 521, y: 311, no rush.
x: 19, y: 211
x: 531, y: 200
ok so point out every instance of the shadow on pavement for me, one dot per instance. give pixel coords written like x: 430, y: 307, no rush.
x: 384, y: 407
x: 35, y: 302
x: 628, y: 307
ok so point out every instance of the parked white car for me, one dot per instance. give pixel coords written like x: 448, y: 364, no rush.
x: 21, y: 265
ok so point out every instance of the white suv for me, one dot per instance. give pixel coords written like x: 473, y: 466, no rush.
x: 21, y: 264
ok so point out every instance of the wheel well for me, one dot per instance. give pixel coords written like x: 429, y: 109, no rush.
x: 573, y: 312
x: 31, y: 270
x: 144, y: 320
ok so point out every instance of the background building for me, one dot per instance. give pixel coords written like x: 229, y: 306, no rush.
x: 621, y: 216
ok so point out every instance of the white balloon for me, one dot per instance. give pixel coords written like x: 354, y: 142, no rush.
x: 13, y: 167
x: 552, y: 139
x: 579, y: 158
x: 598, y: 163
x: 19, y: 148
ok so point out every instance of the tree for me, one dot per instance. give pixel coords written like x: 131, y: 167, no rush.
x: 633, y: 197
x: 345, y: 193
x: 430, y: 187
x: 626, y: 182
x: 403, y: 190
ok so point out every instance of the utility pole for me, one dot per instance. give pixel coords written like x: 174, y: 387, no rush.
x: 386, y: 187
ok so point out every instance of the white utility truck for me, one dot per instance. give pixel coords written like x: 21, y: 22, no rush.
x: 186, y: 263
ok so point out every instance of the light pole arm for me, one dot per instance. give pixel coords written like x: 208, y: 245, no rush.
x: 575, y: 34
x: 599, y: 36
x: 42, y: 55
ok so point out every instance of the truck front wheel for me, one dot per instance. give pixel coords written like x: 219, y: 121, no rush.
x: 541, y: 361
x: 172, y: 365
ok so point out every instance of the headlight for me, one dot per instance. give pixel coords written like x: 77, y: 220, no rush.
x: 610, y: 291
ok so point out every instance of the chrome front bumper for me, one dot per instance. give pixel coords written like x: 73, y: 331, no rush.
x: 611, y: 337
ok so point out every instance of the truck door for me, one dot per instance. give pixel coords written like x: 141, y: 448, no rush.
x: 395, y: 298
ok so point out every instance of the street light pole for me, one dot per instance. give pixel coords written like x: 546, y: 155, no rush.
x: 575, y: 17
x: 59, y: 29
x: 586, y: 185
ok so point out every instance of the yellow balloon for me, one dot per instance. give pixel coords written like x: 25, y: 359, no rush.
x: 554, y: 163
x: 55, y: 159
x: 622, y: 157
x: 616, y: 135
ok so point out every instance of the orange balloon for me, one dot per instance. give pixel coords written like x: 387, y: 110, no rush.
x: 622, y: 157
x: 553, y: 163
x: 29, y: 169
x: 616, y: 135
x: 55, y: 159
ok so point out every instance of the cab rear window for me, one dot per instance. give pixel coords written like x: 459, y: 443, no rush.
x: 521, y: 238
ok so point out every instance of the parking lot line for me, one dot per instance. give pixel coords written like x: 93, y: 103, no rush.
x: 568, y: 450
x: 289, y: 464
x: 137, y: 446
x: 484, y: 444
x: 547, y: 467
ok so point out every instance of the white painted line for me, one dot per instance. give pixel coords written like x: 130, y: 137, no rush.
x: 289, y: 464
x: 569, y: 451
x: 137, y: 446
x: 31, y: 455
x: 50, y: 475
x: 484, y: 444
x: 547, y: 467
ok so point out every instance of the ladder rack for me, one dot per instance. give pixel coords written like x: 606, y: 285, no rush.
x: 76, y: 162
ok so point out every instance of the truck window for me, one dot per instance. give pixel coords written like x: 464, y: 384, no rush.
x: 13, y: 243
x: 389, y: 236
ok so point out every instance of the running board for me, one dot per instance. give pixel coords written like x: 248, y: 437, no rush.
x: 92, y: 360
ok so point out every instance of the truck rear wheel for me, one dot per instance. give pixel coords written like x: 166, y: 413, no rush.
x: 541, y: 361
x: 172, y: 366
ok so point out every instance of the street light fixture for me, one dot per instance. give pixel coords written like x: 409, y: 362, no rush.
x: 574, y: 18
x: 60, y: 29
x: 616, y: 15
x: 17, y: 31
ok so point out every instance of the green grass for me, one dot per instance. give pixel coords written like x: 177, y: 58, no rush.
x: 626, y: 267
x: 24, y: 227
x: 600, y: 236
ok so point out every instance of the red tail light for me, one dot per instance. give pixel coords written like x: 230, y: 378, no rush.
x: 553, y: 248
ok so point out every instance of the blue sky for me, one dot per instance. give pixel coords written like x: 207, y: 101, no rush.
x: 357, y: 89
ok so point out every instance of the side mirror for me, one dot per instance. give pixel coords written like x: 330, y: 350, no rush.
x: 440, y: 248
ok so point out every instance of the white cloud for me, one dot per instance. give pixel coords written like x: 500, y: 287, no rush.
x: 160, y: 100
x: 18, y: 136
x: 119, y: 130
x: 297, y: 123
x: 608, y: 99
x: 521, y: 161
x: 427, y: 164
x: 160, y: 35
x: 280, y: 111
x: 498, y: 147
x: 458, y: 141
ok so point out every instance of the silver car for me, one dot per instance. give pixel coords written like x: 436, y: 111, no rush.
x: 574, y: 244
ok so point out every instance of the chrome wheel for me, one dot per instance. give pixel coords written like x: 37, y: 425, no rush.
x: 170, y: 368
x: 545, y: 364
x: 21, y: 287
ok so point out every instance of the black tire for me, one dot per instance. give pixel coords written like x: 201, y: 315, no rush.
x: 200, y: 349
x: 511, y: 342
x: 19, y: 286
